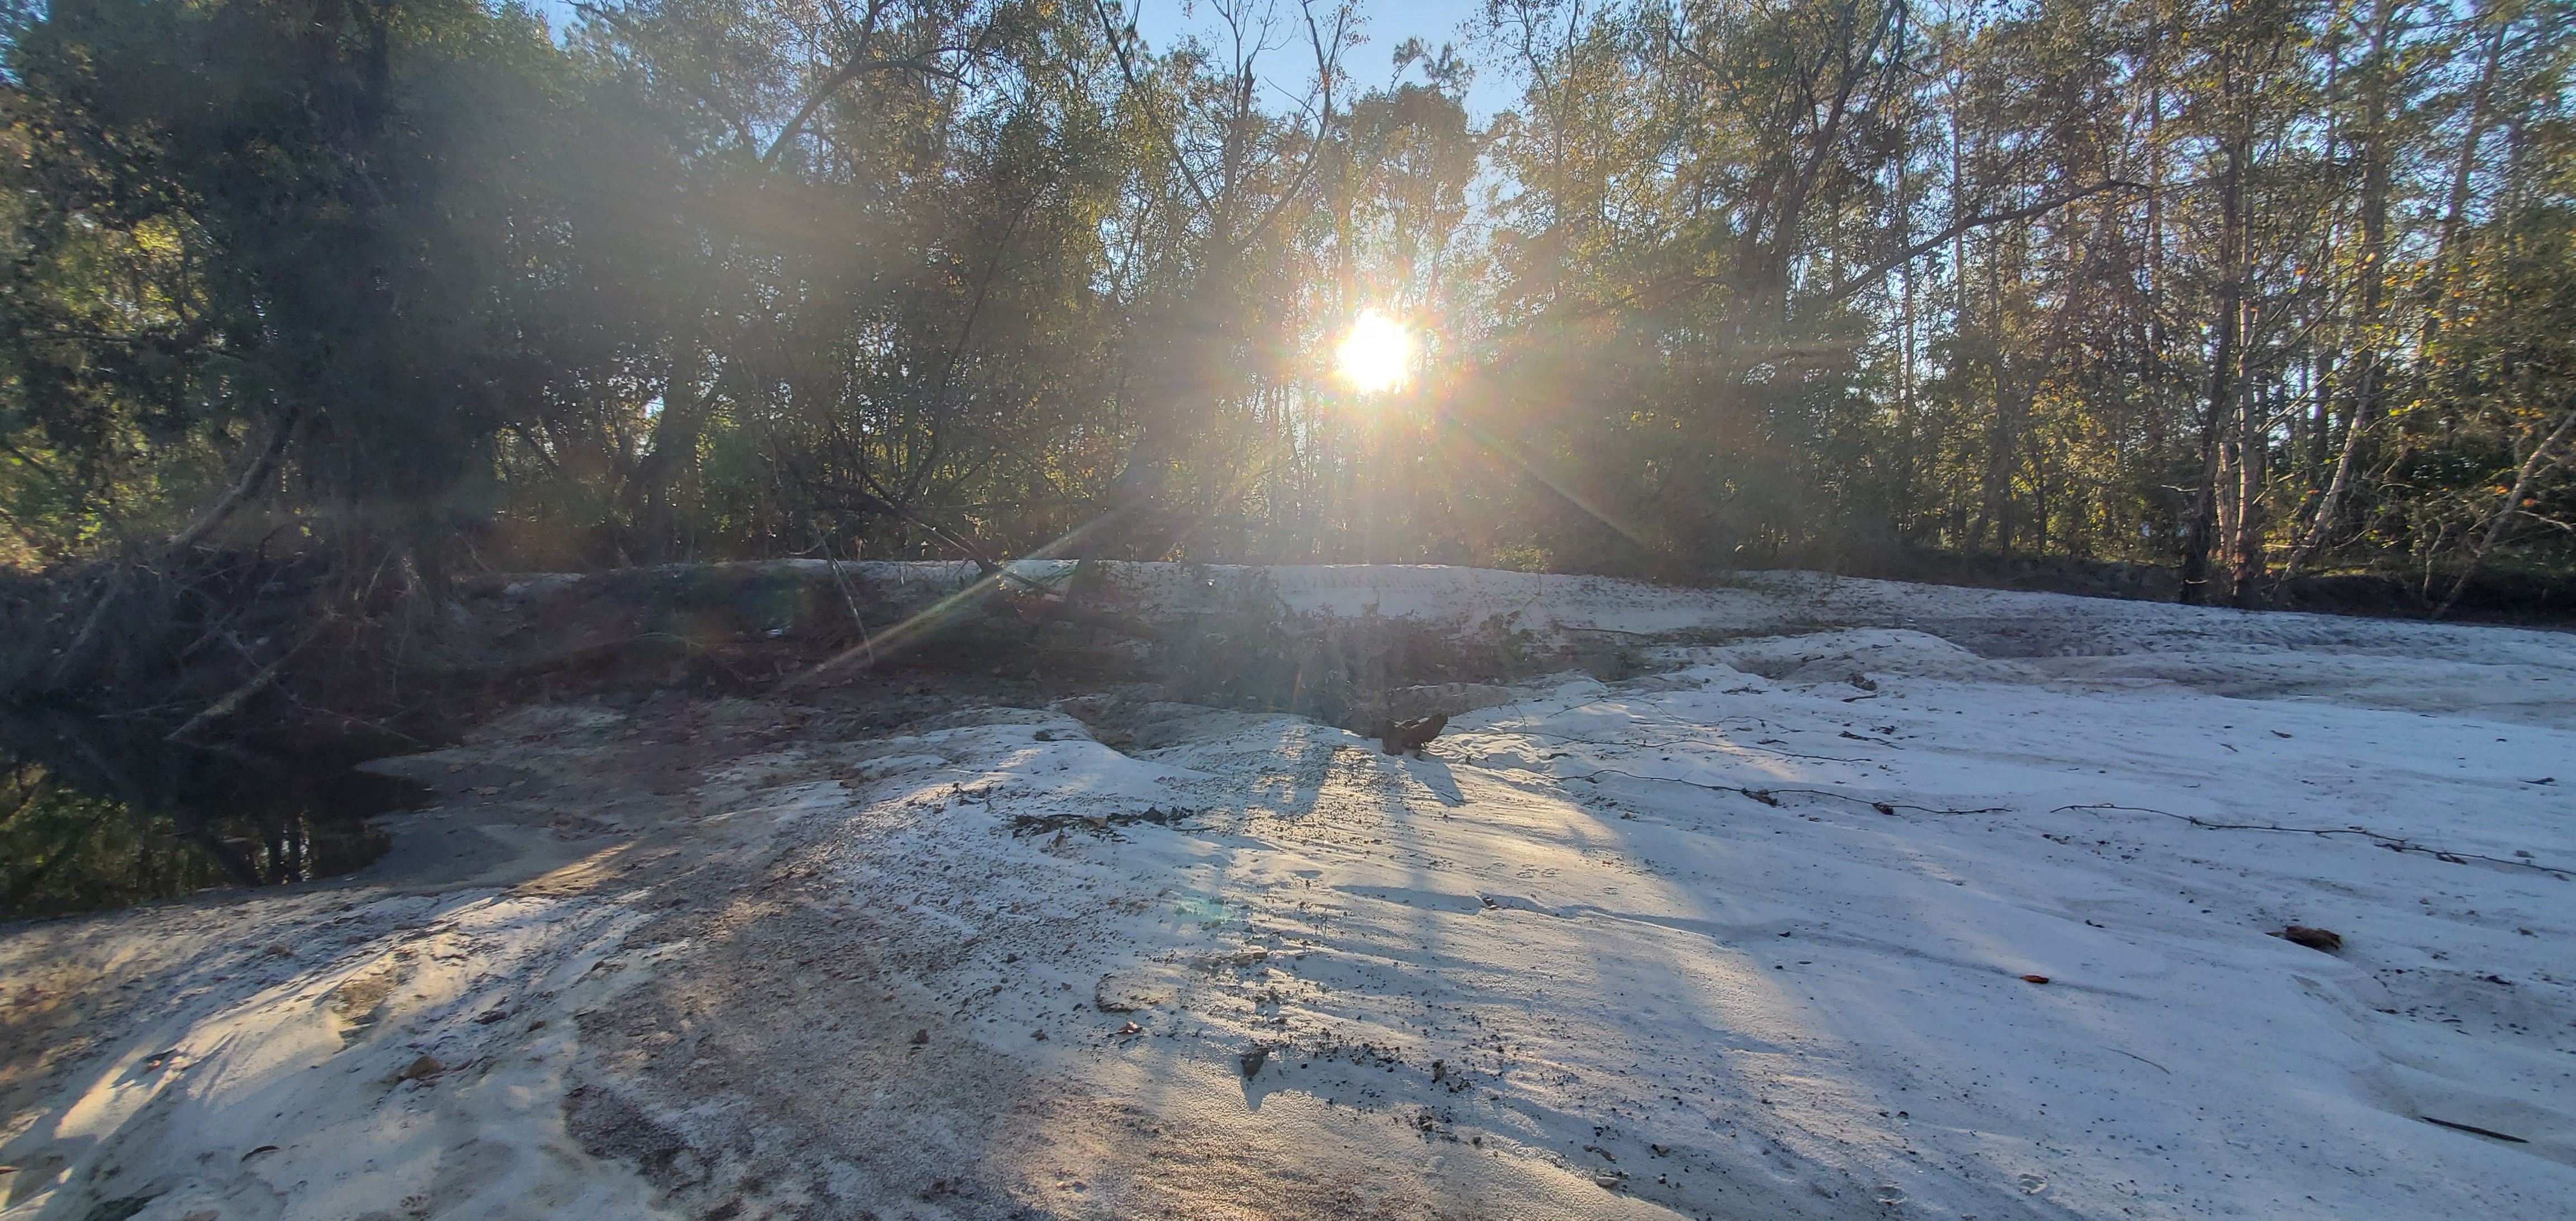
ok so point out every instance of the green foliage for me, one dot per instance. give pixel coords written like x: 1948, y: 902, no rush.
x: 248, y: 217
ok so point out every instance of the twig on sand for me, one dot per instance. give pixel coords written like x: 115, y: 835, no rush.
x: 2473, y: 1128
x: 2143, y: 1060
x: 1677, y: 744
x: 1771, y: 796
x: 2391, y: 842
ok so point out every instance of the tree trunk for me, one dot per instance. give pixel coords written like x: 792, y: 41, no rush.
x: 2219, y: 407
x: 2253, y: 482
x: 654, y: 517
x: 2437, y: 306
x: 2003, y: 435
x: 2376, y: 182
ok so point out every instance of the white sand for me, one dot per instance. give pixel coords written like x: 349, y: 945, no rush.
x: 1563, y: 966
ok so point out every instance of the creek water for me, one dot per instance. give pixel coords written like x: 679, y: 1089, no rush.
x: 98, y: 813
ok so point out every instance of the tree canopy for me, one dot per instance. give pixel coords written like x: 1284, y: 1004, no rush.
x: 2250, y: 289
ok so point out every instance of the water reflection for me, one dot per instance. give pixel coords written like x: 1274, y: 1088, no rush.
x: 98, y: 813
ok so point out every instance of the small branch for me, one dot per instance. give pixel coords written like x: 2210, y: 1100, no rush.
x: 875, y: 500
x: 232, y: 701
x: 242, y: 488
x: 361, y: 722
x: 2532, y: 468
x: 847, y: 600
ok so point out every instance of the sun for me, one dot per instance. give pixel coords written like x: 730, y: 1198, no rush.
x: 1377, y: 355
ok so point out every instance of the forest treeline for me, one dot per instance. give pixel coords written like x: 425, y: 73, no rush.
x: 2251, y: 289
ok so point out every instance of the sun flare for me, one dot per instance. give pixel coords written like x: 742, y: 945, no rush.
x: 1377, y: 354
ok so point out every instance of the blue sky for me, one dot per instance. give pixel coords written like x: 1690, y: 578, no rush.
x: 1386, y: 24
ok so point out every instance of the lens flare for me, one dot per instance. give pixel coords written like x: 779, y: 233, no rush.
x: 1378, y: 353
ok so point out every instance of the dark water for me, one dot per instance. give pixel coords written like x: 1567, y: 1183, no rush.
x: 98, y: 813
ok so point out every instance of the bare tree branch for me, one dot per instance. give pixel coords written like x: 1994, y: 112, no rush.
x: 1969, y: 224
x: 926, y: 63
